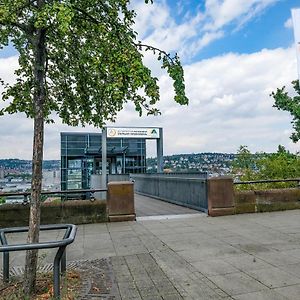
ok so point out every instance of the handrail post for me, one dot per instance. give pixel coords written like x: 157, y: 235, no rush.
x: 63, y: 262
x: 60, y: 257
x: 56, y: 271
x: 5, y: 267
x: 5, y: 259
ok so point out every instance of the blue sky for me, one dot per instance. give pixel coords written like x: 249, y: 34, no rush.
x: 234, y: 53
x: 265, y: 30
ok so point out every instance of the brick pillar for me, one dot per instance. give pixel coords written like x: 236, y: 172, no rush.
x: 120, y: 201
x: 220, y: 196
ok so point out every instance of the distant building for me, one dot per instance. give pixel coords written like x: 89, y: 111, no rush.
x: 51, y: 180
x: 81, y: 156
x: 1, y: 173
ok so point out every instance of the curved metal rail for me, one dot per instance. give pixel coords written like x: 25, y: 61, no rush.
x: 59, y: 264
x: 26, y: 195
x: 269, y: 181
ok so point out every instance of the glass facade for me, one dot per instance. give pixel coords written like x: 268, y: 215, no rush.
x: 81, y: 156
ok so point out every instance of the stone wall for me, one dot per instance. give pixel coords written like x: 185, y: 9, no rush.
x: 75, y: 212
x: 266, y: 200
x: 223, y: 200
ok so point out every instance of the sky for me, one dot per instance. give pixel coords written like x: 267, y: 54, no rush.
x: 234, y: 54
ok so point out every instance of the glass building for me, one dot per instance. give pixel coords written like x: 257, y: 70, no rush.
x: 81, y: 156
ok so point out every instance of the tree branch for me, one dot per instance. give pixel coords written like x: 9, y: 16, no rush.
x: 155, y: 49
x: 94, y: 20
x: 22, y: 27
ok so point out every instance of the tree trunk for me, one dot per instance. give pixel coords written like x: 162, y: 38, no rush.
x: 39, y: 47
x: 34, y: 217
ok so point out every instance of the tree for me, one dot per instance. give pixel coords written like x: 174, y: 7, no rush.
x: 80, y: 60
x: 291, y: 104
x: 244, y: 164
x: 279, y: 165
x: 262, y: 166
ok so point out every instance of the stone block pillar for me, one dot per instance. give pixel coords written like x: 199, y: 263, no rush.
x: 220, y: 196
x: 120, y: 201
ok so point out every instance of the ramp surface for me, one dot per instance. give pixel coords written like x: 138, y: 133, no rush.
x: 147, y: 206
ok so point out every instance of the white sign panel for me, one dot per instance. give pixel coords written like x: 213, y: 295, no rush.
x: 123, y: 132
x: 296, y: 25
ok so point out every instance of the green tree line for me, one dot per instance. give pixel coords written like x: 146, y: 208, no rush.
x: 263, y: 166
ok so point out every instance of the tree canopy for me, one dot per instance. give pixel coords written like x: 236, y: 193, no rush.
x: 82, y: 60
x: 93, y: 60
x: 263, y: 166
x: 291, y: 104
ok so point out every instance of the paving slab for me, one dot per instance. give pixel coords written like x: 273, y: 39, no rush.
x: 213, y: 267
x: 237, y: 283
x: 262, y: 295
x: 290, y: 292
x: 251, y: 256
x: 245, y: 261
x: 273, y: 277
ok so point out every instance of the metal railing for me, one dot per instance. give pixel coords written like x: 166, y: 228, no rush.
x: 202, y: 175
x: 26, y: 195
x: 181, y: 188
x: 59, y: 264
x: 269, y: 181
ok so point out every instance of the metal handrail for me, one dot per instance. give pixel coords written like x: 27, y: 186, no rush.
x: 268, y: 181
x: 53, y: 192
x: 27, y: 194
x: 59, y: 264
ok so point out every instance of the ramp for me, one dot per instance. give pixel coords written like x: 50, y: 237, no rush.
x: 148, y: 206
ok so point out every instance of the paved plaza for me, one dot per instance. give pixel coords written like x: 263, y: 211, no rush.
x: 251, y: 256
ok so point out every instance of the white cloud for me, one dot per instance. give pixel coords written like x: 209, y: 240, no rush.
x: 229, y: 106
x: 225, y: 12
x: 8, y: 66
x: 158, y: 27
x: 150, y: 17
x: 288, y: 23
x: 229, y: 94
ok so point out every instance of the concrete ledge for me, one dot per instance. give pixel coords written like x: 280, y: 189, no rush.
x: 122, y: 218
x: 277, y: 195
x: 245, y: 202
x: 222, y: 200
x: 266, y: 200
x: 226, y: 211
x: 245, y: 208
x: 277, y: 206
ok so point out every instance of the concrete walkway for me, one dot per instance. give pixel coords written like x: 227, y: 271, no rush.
x: 147, y: 206
x: 242, y: 257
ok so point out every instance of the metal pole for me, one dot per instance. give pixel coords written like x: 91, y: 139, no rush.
x: 159, y: 150
x: 104, y: 163
x: 56, y: 272
x: 5, y: 266
x: 5, y: 259
x: 63, y: 262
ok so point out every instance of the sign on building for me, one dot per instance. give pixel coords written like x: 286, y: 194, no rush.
x: 126, y: 132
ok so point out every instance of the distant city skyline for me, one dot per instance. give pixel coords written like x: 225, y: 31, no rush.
x: 234, y: 53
